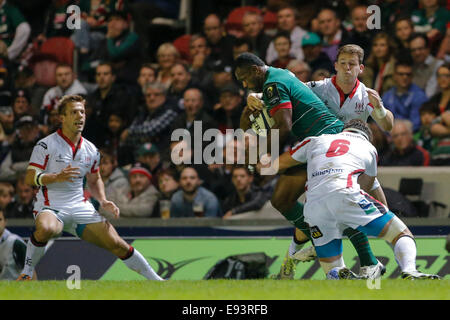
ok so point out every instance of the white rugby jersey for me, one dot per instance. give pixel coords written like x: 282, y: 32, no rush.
x: 355, y: 106
x: 335, y: 162
x: 52, y: 154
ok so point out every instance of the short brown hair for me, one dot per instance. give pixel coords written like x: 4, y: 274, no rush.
x: 352, y: 49
x: 65, y: 100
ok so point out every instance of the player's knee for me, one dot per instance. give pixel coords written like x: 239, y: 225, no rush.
x: 45, y: 232
x: 394, y: 230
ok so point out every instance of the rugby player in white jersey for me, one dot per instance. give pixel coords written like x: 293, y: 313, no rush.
x: 348, y: 98
x: 58, y: 165
x: 341, y: 169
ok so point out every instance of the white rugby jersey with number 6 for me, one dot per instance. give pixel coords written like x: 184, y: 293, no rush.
x: 335, y: 162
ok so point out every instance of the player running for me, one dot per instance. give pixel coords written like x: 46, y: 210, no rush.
x: 341, y: 167
x: 58, y: 164
x: 297, y: 110
x: 348, y: 98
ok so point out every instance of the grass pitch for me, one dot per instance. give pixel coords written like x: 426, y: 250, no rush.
x: 227, y: 290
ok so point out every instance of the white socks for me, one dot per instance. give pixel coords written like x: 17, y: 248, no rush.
x: 35, y: 251
x: 294, y: 247
x: 405, y: 253
x: 137, y: 262
x: 327, y: 266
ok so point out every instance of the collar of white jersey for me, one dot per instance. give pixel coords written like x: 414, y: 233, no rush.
x: 354, y: 130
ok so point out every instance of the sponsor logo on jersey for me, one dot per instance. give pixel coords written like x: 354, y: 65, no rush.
x: 43, y: 145
x: 315, y: 232
x: 367, y: 206
x: 272, y: 94
x: 359, y: 107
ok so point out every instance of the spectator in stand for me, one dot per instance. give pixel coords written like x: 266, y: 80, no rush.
x: 425, y: 65
x: 24, y: 141
x: 194, y: 111
x: 109, y: 97
x: 229, y: 109
x: 147, y: 74
x: 122, y: 48
x: 429, y: 112
x: 300, y: 69
x: 221, y: 44
x: 193, y: 200
x: 66, y: 83
x: 112, y: 176
x: 21, y: 104
x: 392, y: 9
x: 282, y: 44
x: 360, y: 34
x: 222, y: 76
x: 287, y: 21
x: 149, y: 155
x: 117, y: 122
x: 404, y: 28
x: 6, y: 198
x: 25, y: 79
x: 25, y: 194
x: 55, y: 24
x: 139, y: 197
x: 404, y: 151
x: 253, y: 28
x: 7, y: 131
x: 379, y: 67
x: 320, y: 74
x: 332, y: 32
x: 168, y: 185
x: 440, y: 129
x: 94, y: 14
x: 246, y: 196
x: 405, y: 98
x: 167, y: 55
x: 14, y: 30
x: 241, y: 45
x: 181, y: 81
x: 431, y: 19
x: 314, y: 56
x: 201, y: 63
x: 154, y: 121
x: 442, y: 98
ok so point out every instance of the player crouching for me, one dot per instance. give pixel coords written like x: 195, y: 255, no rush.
x: 341, y: 168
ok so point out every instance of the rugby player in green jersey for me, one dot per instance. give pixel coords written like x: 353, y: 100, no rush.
x: 295, y: 110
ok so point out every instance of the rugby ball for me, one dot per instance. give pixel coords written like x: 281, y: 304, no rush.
x: 262, y: 122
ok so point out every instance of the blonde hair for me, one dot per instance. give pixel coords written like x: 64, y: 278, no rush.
x: 352, y: 49
x: 168, y: 47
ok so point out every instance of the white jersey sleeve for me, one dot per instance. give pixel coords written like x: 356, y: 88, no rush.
x: 371, y: 163
x: 300, y: 151
x: 318, y: 87
x: 40, y: 155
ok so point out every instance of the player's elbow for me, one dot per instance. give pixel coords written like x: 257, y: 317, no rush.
x: 30, y: 177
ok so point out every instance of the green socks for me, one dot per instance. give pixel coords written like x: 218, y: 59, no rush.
x: 361, y: 244
x: 295, y: 216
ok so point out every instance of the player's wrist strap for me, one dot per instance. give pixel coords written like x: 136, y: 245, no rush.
x: 38, y: 179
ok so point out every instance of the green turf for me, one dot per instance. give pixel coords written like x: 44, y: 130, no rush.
x: 228, y: 290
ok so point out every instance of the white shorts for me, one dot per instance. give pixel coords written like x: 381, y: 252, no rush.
x: 329, y: 217
x: 74, y: 218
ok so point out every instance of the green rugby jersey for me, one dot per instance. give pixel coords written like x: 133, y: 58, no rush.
x: 310, y: 116
x: 10, y: 18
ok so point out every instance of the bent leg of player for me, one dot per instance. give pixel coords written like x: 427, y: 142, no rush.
x: 289, y: 188
x: 47, y: 226
x: 105, y: 236
x: 390, y: 228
